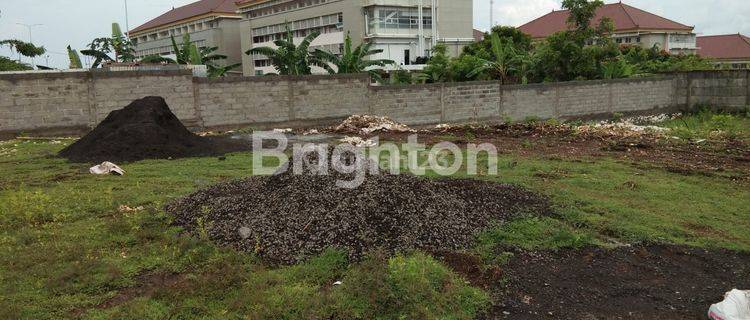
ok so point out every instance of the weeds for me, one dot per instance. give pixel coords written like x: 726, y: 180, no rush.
x: 707, y: 124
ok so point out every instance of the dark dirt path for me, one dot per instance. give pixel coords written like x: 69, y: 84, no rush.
x: 640, y: 282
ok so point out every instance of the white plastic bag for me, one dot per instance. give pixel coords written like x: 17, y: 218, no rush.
x: 107, y: 168
x: 736, y: 306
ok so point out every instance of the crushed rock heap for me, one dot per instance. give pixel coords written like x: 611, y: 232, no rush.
x: 289, y: 217
x: 367, y: 124
x: 145, y: 129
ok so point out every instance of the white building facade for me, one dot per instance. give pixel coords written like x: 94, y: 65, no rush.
x: 406, y: 30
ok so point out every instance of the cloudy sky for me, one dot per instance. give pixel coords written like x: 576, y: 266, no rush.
x: 76, y: 22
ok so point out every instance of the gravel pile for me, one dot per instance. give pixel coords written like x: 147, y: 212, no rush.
x: 288, y: 218
x: 145, y: 129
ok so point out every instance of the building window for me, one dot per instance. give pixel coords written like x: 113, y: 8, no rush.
x: 398, y: 18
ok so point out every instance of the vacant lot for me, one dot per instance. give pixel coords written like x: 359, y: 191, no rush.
x: 73, y: 245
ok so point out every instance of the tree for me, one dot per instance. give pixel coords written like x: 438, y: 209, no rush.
x: 438, y: 68
x: 351, y: 60
x: 101, y: 48
x: 461, y: 68
x: 24, y: 48
x: 582, y: 12
x: 521, y: 41
x: 289, y: 58
x: 501, y: 65
x: 6, y: 64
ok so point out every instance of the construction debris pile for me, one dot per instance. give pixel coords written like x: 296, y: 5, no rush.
x: 145, y: 129
x: 290, y: 217
x: 367, y: 124
x: 629, y: 127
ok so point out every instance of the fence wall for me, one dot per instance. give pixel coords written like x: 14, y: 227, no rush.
x: 74, y: 102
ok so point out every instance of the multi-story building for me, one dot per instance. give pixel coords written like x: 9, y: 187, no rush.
x: 210, y: 23
x: 404, y: 29
x: 633, y: 26
x: 731, y: 50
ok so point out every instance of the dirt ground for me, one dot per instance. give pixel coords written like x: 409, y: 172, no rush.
x: 640, y: 282
x: 726, y: 158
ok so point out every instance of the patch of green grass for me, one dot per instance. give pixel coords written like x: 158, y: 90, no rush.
x: 406, y: 287
x: 533, y: 233
x: 67, y: 251
x: 706, y: 124
x: 629, y: 202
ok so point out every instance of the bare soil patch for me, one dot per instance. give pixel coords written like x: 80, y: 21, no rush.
x: 539, y: 139
x: 641, y: 282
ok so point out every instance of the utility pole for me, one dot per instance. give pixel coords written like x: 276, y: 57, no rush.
x: 492, y: 14
x: 127, y: 21
x: 29, y: 26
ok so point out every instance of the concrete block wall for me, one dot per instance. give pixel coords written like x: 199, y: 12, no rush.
x: 114, y: 90
x: 534, y: 100
x: 234, y: 102
x: 471, y: 101
x: 728, y: 89
x: 31, y: 102
x: 410, y: 104
x: 77, y: 101
x: 321, y: 97
x: 633, y: 95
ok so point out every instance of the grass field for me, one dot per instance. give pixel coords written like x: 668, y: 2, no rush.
x: 68, y: 249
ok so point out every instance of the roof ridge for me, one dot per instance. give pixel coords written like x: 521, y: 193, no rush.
x: 622, y: 6
x: 720, y: 35
x: 653, y: 14
x: 746, y: 39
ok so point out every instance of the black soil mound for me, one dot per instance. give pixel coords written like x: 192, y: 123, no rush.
x: 642, y: 282
x: 145, y: 129
x: 287, y: 218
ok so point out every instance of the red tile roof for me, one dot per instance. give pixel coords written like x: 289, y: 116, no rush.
x: 730, y: 46
x: 194, y: 9
x: 623, y: 16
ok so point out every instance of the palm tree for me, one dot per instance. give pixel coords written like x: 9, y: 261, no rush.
x: 351, y: 61
x: 288, y: 58
x: 504, y: 55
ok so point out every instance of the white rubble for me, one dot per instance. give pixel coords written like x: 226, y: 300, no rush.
x: 107, y: 168
x: 358, y: 142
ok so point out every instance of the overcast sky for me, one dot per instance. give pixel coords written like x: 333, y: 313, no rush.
x: 76, y: 22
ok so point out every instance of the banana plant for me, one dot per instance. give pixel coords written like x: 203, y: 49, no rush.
x: 504, y: 60
x: 101, y: 48
x: 289, y: 58
x: 75, y: 59
x: 351, y: 60
x: 189, y: 54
